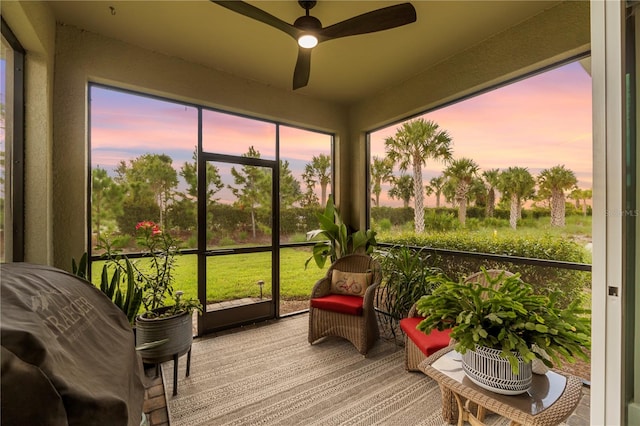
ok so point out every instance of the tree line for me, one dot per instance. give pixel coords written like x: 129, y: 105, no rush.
x: 461, y: 181
x: 146, y: 188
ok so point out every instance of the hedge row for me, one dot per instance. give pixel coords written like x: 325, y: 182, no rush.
x: 546, y: 279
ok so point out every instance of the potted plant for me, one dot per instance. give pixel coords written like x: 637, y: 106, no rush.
x: 341, y: 241
x: 129, y: 300
x: 517, y: 326
x: 406, y: 277
x: 155, y: 277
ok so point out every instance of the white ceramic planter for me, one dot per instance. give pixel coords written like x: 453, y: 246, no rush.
x: 486, y: 368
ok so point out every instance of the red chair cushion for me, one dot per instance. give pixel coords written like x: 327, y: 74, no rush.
x: 342, y: 303
x: 427, y: 343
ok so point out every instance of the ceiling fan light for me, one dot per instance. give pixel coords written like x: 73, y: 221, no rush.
x: 308, y: 41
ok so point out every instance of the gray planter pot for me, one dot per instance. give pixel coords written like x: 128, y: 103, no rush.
x: 487, y: 369
x: 177, y: 329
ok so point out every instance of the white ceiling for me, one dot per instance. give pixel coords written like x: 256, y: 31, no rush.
x: 343, y: 70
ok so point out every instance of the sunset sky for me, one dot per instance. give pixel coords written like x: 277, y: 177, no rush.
x: 537, y: 123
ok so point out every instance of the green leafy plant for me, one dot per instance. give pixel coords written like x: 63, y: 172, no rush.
x: 505, y: 314
x: 156, y: 277
x: 407, y: 276
x: 128, y: 301
x: 341, y: 241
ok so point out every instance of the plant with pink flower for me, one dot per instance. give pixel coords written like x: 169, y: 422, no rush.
x: 157, y: 278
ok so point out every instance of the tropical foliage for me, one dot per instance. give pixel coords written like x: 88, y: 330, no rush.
x: 318, y: 171
x: 517, y: 184
x: 380, y: 172
x: 570, y: 284
x: 336, y: 239
x: 407, y: 276
x: 403, y: 189
x: 414, y: 143
x: 461, y: 173
x: 556, y: 181
x: 505, y: 314
x: 122, y: 288
x: 491, y: 177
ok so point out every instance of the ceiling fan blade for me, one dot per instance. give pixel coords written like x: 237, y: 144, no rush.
x: 259, y: 15
x: 376, y: 20
x: 303, y: 68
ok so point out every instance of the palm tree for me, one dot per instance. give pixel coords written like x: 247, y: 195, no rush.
x: 449, y: 192
x: 517, y: 184
x: 319, y: 170
x: 491, y: 178
x: 587, y: 194
x: 557, y: 179
x: 576, y: 196
x: 402, y: 189
x: 462, y: 172
x: 413, y: 144
x: 381, y: 169
x: 478, y: 192
x: 309, y: 198
x: 436, y: 185
x: 581, y: 195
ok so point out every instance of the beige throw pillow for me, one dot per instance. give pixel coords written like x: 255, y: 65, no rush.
x: 351, y: 283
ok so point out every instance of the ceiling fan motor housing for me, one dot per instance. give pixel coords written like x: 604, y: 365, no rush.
x: 309, y: 23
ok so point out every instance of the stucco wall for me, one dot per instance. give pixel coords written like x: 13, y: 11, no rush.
x: 34, y: 26
x: 82, y: 57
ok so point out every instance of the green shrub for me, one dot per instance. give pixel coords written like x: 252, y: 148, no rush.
x: 546, y: 279
x: 121, y: 241
x: 226, y: 241
x: 472, y: 224
x: 439, y: 222
x: 406, y: 277
x: 383, y: 225
x: 396, y: 215
x: 494, y: 222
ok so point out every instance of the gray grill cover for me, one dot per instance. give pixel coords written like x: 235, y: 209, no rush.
x: 68, y: 353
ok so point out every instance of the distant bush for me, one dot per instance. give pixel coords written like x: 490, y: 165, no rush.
x: 396, y: 215
x: 226, y: 241
x: 121, y: 241
x: 473, y: 224
x: 492, y: 222
x: 440, y: 222
x: 544, y: 278
x: 382, y: 225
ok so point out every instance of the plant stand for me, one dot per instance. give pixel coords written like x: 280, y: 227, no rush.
x: 175, y: 358
x: 175, y: 337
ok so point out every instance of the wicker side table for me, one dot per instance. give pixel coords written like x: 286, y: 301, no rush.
x: 550, y: 400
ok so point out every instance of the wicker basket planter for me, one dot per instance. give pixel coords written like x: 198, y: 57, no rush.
x: 486, y: 368
x: 177, y: 329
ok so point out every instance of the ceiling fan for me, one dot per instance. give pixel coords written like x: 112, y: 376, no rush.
x: 308, y: 31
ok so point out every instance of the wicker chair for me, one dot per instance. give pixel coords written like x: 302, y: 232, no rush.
x: 413, y: 355
x: 347, y: 316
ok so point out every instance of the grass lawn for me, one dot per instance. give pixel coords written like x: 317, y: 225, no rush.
x: 237, y: 276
